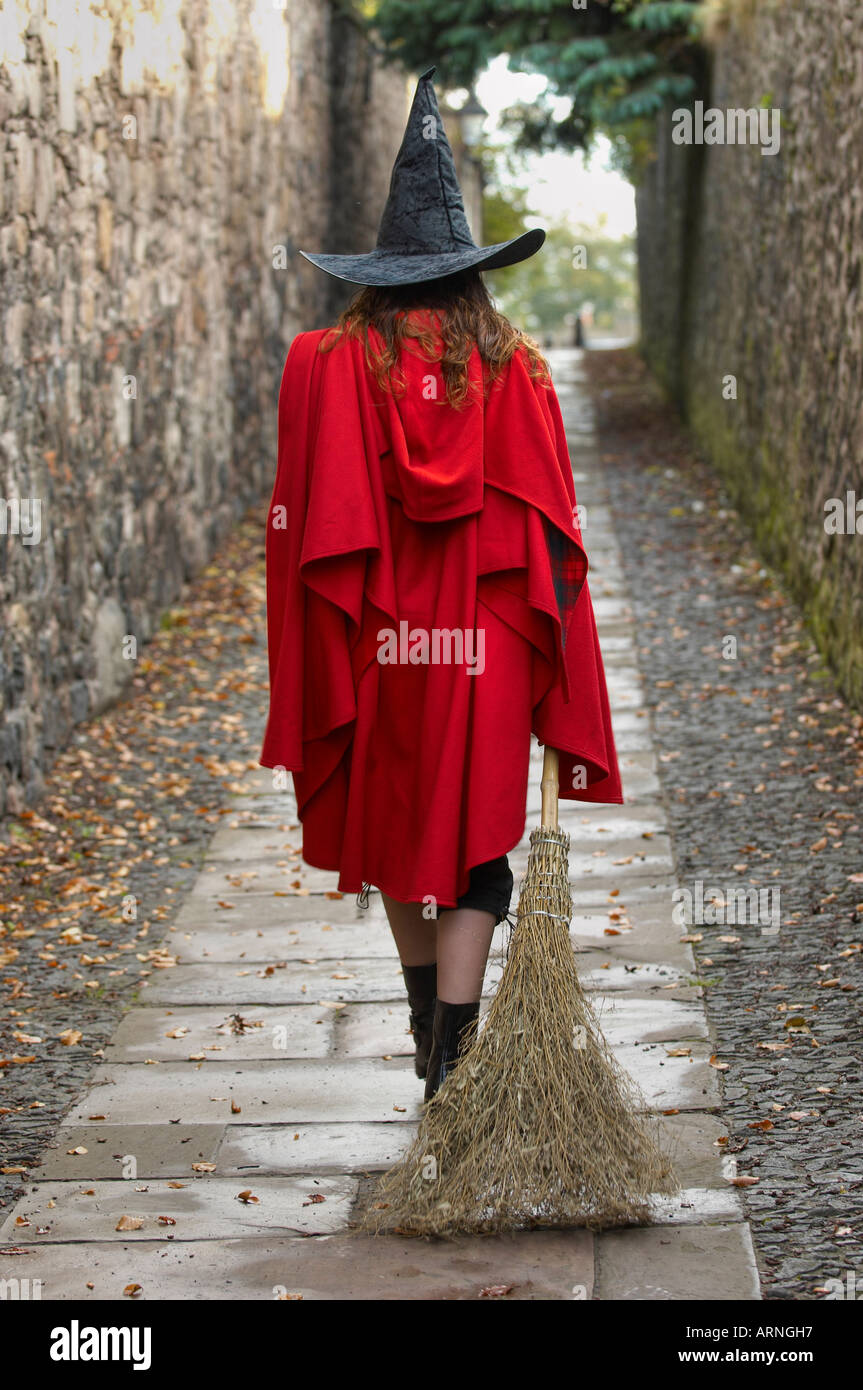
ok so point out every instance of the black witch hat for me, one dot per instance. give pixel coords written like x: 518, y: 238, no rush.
x: 424, y: 233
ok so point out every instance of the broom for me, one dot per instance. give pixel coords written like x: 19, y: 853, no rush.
x: 538, y: 1125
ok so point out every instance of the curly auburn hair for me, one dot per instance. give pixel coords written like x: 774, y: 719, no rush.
x: 462, y: 316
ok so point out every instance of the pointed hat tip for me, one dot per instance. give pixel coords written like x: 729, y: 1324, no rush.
x: 427, y: 75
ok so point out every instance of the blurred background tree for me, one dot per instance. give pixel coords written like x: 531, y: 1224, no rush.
x: 581, y: 271
x: 615, y: 61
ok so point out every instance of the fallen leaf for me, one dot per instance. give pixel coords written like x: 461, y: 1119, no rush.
x: 129, y: 1223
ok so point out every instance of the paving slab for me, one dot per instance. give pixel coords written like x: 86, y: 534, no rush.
x: 323, y: 940
x: 268, y: 1092
x: 688, y: 1263
x: 629, y: 931
x: 318, y: 1148
x: 633, y: 860
x: 298, y: 1030
x: 200, y: 1208
x: 267, y: 912
x: 538, y: 1265
x: 627, y: 1020
x: 671, y: 1083
x: 258, y: 876
x: 697, y: 1206
x: 290, y: 982
x: 145, y: 1151
x: 692, y: 1141
x: 642, y: 977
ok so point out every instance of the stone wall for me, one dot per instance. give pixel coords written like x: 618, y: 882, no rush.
x: 162, y: 160
x: 751, y: 269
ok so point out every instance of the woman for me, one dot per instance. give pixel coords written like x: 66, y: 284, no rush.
x: 427, y: 604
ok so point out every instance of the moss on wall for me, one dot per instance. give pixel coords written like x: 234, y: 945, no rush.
x: 762, y: 259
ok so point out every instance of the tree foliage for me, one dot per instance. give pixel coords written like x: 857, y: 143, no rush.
x: 616, y: 61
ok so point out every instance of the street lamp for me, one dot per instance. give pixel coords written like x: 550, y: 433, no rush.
x: 472, y: 117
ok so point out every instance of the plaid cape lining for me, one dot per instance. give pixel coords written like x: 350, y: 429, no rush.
x: 568, y: 570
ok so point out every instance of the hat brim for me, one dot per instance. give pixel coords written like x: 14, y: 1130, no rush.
x: 381, y: 267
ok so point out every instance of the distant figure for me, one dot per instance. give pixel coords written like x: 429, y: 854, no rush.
x: 548, y: 341
x: 579, y: 332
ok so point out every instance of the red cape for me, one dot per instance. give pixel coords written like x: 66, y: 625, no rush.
x: 400, y: 509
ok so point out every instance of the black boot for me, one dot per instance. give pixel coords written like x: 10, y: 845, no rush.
x: 421, y: 982
x: 452, y: 1035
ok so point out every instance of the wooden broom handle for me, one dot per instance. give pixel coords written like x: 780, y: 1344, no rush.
x: 549, y: 785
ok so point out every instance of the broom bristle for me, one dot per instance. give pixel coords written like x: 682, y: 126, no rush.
x: 538, y: 1125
